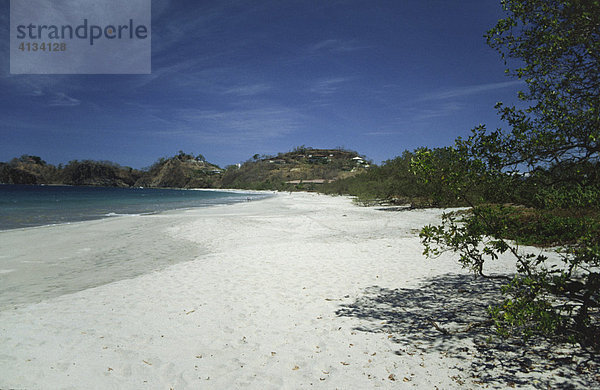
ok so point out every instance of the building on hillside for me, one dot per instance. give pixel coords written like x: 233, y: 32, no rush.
x: 318, y: 158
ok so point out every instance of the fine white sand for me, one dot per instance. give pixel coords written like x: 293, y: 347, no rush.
x: 295, y: 291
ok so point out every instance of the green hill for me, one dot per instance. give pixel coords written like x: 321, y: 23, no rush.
x: 28, y: 170
x: 301, y: 169
x: 304, y: 168
x: 181, y: 171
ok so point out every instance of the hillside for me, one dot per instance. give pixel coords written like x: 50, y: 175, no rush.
x: 33, y: 170
x: 28, y: 170
x: 303, y: 168
x: 181, y: 171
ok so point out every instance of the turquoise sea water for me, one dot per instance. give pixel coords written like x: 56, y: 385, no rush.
x: 30, y: 205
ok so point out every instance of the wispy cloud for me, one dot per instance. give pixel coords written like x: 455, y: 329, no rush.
x: 173, y: 72
x: 37, y: 85
x: 237, y: 125
x: 336, y: 45
x: 468, y: 90
x: 381, y: 133
x: 436, y: 111
x: 176, y: 27
x: 328, y: 86
x: 63, y: 100
x: 247, y: 90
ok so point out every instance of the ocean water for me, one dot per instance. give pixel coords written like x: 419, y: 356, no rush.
x: 24, y: 206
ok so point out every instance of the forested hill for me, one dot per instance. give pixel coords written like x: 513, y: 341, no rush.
x: 302, y: 168
x: 180, y: 171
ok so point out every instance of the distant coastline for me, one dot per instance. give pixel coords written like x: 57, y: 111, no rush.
x: 300, y: 169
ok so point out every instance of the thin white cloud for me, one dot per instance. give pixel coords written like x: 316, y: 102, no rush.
x: 237, y: 125
x: 440, y: 110
x: 29, y: 85
x: 173, y: 27
x: 468, y: 90
x: 172, y: 71
x: 336, y: 45
x: 328, y: 86
x: 248, y: 90
x: 380, y: 133
x: 63, y: 100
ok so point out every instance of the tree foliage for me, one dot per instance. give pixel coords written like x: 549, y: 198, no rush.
x: 397, y: 181
x: 548, y: 162
x: 557, y: 44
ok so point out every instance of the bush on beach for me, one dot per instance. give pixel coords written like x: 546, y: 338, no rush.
x: 537, y: 183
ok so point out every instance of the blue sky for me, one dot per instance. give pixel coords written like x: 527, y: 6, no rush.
x: 234, y: 78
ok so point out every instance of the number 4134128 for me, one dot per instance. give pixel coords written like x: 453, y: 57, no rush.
x: 35, y: 46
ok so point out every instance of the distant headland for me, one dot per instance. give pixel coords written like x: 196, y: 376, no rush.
x: 301, y: 168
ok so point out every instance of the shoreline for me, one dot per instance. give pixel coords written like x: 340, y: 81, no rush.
x: 299, y: 290
x: 112, y: 214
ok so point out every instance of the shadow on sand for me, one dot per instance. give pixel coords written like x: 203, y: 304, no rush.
x: 448, y: 315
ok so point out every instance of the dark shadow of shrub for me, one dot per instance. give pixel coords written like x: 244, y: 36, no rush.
x: 448, y: 314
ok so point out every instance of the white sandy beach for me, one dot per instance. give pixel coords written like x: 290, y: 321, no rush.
x: 295, y: 291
